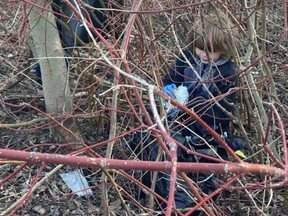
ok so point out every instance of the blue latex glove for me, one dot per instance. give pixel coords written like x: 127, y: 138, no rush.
x: 169, y: 90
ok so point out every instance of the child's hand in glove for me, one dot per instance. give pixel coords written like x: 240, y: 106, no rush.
x: 179, y: 93
x: 170, y: 90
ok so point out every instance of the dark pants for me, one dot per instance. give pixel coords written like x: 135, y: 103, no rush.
x: 147, y: 148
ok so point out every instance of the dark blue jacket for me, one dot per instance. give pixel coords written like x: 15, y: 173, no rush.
x: 216, y: 80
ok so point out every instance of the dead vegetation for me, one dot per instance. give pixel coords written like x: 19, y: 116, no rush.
x: 110, y: 97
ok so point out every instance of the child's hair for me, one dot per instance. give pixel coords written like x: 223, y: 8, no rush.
x: 213, y: 33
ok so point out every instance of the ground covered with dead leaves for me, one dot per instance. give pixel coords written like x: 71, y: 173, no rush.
x: 25, y: 127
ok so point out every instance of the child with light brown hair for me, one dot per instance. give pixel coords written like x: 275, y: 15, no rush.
x: 207, y: 70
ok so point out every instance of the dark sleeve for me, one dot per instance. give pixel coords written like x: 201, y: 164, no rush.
x: 175, y: 74
x: 227, y: 80
x: 205, y: 106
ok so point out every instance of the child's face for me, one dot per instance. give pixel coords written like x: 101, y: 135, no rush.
x: 202, y: 54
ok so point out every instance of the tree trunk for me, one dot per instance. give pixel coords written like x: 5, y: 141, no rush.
x: 46, y: 46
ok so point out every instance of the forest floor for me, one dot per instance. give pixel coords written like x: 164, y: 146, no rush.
x: 18, y: 87
x: 53, y: 197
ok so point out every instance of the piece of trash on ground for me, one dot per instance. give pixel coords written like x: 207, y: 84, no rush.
x: 76, y: 182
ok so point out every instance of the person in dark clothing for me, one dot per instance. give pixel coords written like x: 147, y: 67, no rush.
x: 206, y: 69
x: 71, y: 29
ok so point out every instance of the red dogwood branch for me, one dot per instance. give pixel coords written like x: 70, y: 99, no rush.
x: 274, y: 111
x: 83, y: 161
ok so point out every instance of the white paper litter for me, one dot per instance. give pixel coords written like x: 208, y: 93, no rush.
x: 76, y: 182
